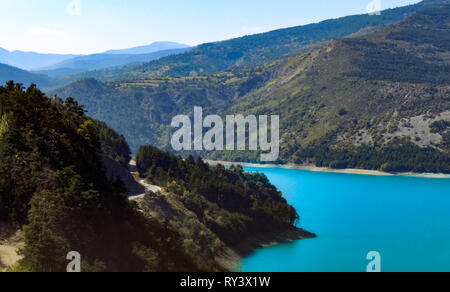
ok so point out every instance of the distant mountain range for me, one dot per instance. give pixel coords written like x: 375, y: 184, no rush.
x: 57, y: 70
x: 102, y: 61
x: 8, y: 73
x: 173, y: 59
x: 37, y: 61
x: 376, y: 101
x: 31, y: 60
x: 154, y: 47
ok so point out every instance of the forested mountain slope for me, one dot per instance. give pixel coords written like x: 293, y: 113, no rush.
x: 384, y: 94
x: 52, y: 182
x: 143, y: 110
x: 256, y: 49
x: 366, y: 101
x: 215, y: 209
x: 56, y: 186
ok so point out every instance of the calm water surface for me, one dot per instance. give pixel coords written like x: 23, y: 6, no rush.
x: 405, y: 219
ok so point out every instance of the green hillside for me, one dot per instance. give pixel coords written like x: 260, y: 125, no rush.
x: 256, y: 49
x: 53, y: 185
x: 367, y: 101
x: 142, y: 110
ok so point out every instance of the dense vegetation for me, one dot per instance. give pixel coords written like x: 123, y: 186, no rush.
x: 53, y: 184
x: 142, y: 111
x: 421, y: 29
x: 348, y: 104
x: 231, y: 203
x: 113, y: 145
x: 389, y: 62
x: 51, y: 181
x: 401, y: 156
x: 440, y: 126
x: 347, y: 95
x: 257, y: 49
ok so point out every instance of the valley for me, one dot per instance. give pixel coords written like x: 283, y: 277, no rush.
x: 356, y: 102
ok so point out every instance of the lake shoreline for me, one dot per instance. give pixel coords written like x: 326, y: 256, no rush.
x: 231, y: 258
x: 330, y: 170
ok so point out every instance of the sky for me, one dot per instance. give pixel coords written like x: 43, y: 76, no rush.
x: 93, y: 26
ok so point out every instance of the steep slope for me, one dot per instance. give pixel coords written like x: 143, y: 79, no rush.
x: 52, y: 185
x: 257, y: 49
x: 367, y: 101
x: 142, y: 110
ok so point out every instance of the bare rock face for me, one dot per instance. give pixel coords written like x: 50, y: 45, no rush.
x: 116, y: 172
x: 419, y: 130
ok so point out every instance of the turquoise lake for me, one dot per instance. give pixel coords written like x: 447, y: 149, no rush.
x: 405, y: 219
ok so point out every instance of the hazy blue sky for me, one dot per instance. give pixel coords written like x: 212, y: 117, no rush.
x: 57, y: 26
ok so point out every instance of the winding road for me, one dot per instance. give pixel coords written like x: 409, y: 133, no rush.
x: 148, y: 187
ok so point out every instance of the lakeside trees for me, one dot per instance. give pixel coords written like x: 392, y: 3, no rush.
x: 229, y: 201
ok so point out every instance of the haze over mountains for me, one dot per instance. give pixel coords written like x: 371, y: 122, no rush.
x: 37, y: 61
x: 51, y: 70
x: 13, y: 73
x: 114, y: 58
x: 31, y: 60
x: 154, y: 47
x: 102, y: 61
